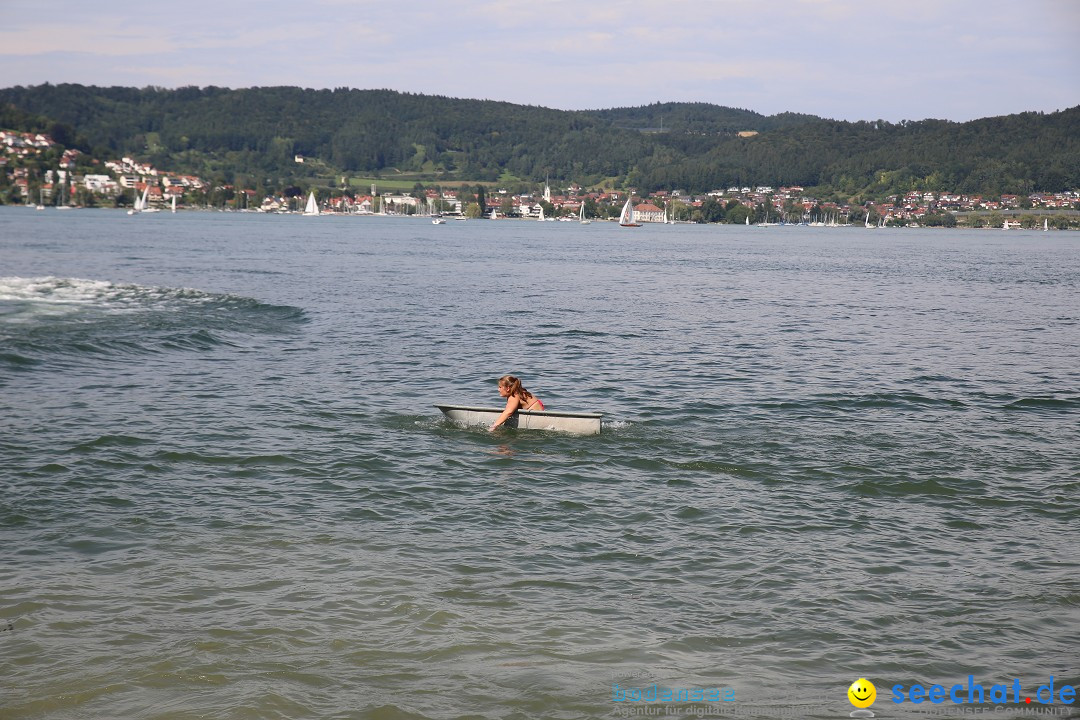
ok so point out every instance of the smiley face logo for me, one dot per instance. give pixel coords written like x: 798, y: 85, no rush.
x: 862, y: 693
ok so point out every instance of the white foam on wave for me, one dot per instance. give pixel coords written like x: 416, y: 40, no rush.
x: 30, y: 300
x: 58, y: 292
x: 55, y: 290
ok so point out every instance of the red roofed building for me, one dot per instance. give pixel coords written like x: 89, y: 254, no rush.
x: 647, y: 212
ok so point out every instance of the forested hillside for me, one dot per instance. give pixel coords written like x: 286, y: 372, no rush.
x: 692, y: 146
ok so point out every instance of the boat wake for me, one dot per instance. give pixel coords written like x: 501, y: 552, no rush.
x: 46, y: 319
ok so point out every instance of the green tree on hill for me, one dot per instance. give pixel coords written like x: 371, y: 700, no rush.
x: 481, y: 198
x: 712, y: 211
x: 738, y: 214
x: 259, y: 131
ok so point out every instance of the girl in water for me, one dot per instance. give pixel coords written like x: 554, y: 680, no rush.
x: 517, y: 398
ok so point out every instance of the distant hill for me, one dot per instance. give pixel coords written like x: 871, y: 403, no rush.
x: 222, y: 132
x: 698, y: 118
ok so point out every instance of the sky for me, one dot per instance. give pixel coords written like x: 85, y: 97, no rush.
x: 843, y: 59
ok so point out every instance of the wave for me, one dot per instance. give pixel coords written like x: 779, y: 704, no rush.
x: 862, y: 401
x: 888, y: 486
x: 46, y: 294
x: 43, y: 319
x: 1044, y: 403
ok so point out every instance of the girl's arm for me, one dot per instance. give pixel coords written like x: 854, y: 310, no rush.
x: 512, y: 404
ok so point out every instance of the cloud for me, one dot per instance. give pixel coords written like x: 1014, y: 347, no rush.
x: 73, y: 38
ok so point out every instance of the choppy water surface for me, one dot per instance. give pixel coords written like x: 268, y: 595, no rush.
x: 828, y: 454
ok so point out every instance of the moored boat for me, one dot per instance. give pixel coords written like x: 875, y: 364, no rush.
x: 569, y: 422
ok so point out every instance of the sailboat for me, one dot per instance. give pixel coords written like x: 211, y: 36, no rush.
x: 144, y: 206
x: 765, y: 222
x: 867, y: 222
x: 581, y: 215
x: 1046, y: 225
x: 63, y: 204
x: 492, y: 213
x: 137, y: 204
x: 312, y: 207
x: 541, y: 218
x: 626, y: 217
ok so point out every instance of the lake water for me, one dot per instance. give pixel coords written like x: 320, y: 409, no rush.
x: 827, y: 454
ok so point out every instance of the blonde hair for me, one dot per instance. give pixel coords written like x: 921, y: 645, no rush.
x: 514, y: 388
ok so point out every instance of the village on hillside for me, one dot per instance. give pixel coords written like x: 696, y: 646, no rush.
x: 124, y: 182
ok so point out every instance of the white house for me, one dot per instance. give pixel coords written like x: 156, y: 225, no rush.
x: 647, y: 212
x: 398, y: 203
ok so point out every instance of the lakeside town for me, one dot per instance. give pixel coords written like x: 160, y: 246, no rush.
x: 129, y: 183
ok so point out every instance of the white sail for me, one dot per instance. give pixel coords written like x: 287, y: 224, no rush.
x: 1046, y: 225
x: 144, y: 205
x: 581, y: 215
x: 541, y: 218
x: 312, y: 207
x: 174, y: 203
x: 626, y: 217
x: 492, y: 213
